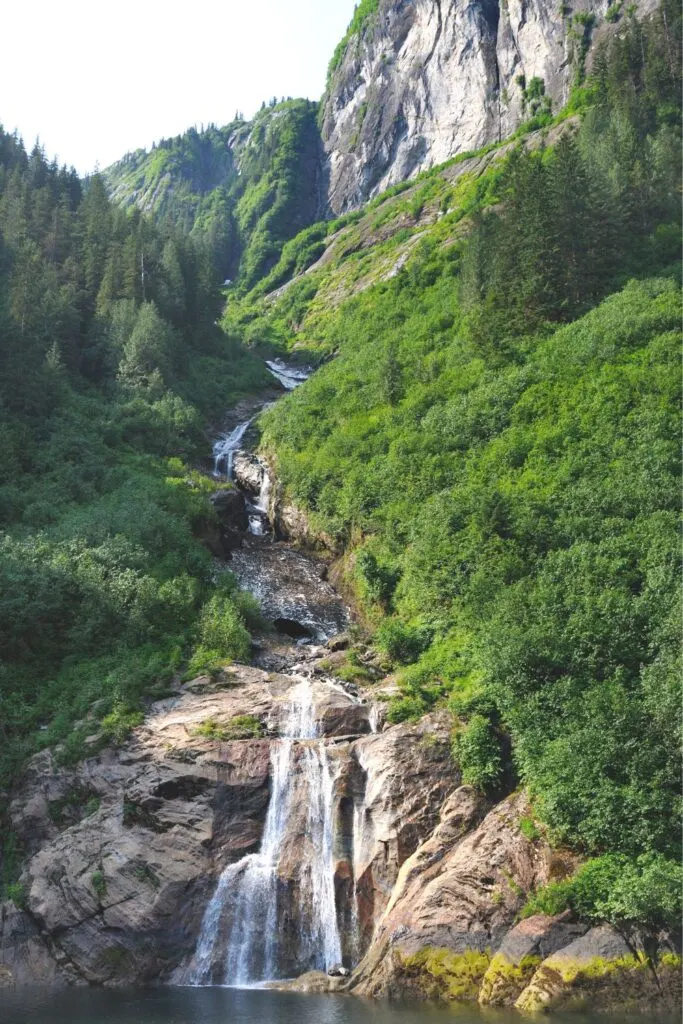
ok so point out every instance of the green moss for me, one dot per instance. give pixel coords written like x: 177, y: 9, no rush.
x: 241, y: 727
x: 504, y: 980
x: 442, y: 974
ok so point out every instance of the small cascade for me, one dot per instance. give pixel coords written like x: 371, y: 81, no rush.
x: 289, y: 376
x: 375, y: 717
x: 258, y: 514
x: 225, y: 447
x: 248, y: 890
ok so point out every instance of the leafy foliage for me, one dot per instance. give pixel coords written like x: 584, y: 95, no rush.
x: 107, y: 339
x: 477, y: 751
x: 496, y: 441
x: 628, y: 893
x: 240, y: 191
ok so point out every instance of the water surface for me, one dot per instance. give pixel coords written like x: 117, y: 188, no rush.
x: 234, y: 1006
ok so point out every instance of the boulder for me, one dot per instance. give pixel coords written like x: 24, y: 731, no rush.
x: 231, y: 509
x: 521, y: 952
x: 25, y: 958
x: 248, y: 472
x: 601, y: 971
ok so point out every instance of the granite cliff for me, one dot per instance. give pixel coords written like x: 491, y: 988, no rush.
x: 425, y: 80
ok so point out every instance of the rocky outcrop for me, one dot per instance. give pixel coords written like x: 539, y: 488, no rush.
x: 521, y: 952
x: 600, y: 970
x: 426, y: 80
x: 127, y: 846
x: 459, y: 893
x: 230, y: 508
x: 248, y: 471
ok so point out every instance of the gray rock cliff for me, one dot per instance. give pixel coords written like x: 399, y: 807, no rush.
x: 425, y: 80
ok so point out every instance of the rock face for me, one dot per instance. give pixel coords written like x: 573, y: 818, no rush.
x: 127, y: 846
x: 459, y: 891
x: 425, y: 80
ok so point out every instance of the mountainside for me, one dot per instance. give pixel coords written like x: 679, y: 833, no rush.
x: 247, y: 187
x: 401, y: 689
x: 410, y: 86
x: 416, y: 83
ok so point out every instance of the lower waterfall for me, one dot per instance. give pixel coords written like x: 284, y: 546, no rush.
x: 247, y: 890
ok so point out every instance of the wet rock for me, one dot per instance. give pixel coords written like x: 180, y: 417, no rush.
x: 311, y: 983
x: 600, y: 970
x: 404, y: 776
x: 231, y: 509
x: 521, y: 952
x: 339, y: 643
x: 289, y: 585
x: 248, y: 472
x: 25, y: 958
x: 338, y: 971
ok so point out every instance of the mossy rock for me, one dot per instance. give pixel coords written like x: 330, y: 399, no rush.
x: 625, y: 984
x: 443, y: 975
x: 504, y: 980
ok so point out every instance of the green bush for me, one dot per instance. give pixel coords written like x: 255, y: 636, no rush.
x: 16, y: 892
x: 221, y: 629
x: 477, y: 750
x: 241, y: 727
x: 629, y: 894
x: 403, y: 642
x: 99, y: 884
x: 120, y: 722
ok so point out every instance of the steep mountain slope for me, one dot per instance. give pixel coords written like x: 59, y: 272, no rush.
x: 248, y: 187
x: 492, y: 450
x: 411, y: 85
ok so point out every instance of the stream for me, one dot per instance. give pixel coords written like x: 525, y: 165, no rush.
x: 239, y: 943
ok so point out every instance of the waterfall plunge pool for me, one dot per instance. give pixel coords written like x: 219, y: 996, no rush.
x: 234, y: 1006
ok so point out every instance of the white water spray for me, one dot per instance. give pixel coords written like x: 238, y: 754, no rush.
x: 289, y: 376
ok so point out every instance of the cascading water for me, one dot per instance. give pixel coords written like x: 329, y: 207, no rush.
x: 225, y: 447
x: 247, y: 890
x: 289, y: 376
x: 258, y: 517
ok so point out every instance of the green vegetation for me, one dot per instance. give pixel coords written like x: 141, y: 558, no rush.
x: 477, y: 750
x: 99, y: 884
x: 110, y: 365
x: 241, y: 727
x: 240, y: 191
x: 363, y: 12
x: 445, y: 975
x: 495, y: 447
x: 630, y: 894
x: 17, y: 894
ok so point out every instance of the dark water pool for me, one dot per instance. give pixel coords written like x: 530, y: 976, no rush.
x: 229, y: 1006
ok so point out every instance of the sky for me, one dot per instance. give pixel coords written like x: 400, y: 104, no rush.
x: 94, y: 81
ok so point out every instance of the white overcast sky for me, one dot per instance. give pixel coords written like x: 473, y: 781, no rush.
x: 96, y: 80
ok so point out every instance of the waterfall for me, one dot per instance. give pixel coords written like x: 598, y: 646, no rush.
x: 248, y: 889
x: 288, y: 376
x: 258, y: 520
x: 226, y: 446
